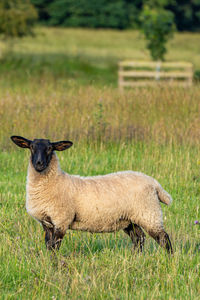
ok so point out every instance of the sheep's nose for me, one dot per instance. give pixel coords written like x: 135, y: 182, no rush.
x: 39, y: 163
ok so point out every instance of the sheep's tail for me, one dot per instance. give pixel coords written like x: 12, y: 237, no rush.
x: 163, y: 196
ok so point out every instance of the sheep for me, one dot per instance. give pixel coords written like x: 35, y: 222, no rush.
x: 125, y: 200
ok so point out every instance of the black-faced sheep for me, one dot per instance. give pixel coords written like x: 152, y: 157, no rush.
x: 124, y: 200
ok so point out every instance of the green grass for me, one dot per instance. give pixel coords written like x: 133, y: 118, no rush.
x: 62, y: 85
x: 102, y: 266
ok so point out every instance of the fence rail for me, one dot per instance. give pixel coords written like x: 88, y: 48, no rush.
x: 132, y: 74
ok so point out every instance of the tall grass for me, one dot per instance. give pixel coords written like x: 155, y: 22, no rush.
x: 88, y: 113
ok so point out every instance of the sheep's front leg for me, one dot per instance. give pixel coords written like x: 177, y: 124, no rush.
x: 53, y: 235
x: 49, y: 233
x: 137, y: 236
x: 57, y: 238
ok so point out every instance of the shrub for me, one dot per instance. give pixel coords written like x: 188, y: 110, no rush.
x: 16, y: 18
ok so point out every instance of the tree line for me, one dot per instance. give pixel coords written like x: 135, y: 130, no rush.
x: 118, y: 14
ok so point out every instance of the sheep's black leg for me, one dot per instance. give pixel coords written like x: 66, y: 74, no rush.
x: 162, y: 238
x: 57, y: 239
x: 137, y: 236
x: 53, y: 235
x: 49, y: 233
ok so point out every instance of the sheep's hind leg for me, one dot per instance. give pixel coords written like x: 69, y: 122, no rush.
x: 137, y: 236
x: 162, y: 238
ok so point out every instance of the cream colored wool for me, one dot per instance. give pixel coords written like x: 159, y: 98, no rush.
x: 96, y: 204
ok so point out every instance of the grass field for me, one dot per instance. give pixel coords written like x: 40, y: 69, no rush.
x: 62, y: 85
x: 71, y: 57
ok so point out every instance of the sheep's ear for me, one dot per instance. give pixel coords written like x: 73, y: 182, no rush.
x: 20, y: 141
x: 60, y: 146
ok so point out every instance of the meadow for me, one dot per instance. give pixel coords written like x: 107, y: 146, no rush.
x: 62, y: 84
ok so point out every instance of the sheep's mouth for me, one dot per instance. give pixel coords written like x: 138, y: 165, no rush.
x: 40, y: 168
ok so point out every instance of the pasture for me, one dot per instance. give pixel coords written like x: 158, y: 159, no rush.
x: 62, y: 85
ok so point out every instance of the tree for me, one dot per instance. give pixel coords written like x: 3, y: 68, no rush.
x: 119, y: 14
x: 16, y: 18
x: 158, y: 26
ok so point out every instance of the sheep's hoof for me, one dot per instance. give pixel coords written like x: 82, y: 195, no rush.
x: 137, y: 249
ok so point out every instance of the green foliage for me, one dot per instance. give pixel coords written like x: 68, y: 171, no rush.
x: 115, y: 13
x: 88, y: 14
x: 158, y: 3
x: 157, y: 26
x: 187, y: 14
x: 94, y: 14
x: 16, y: 18
x: 197, y: 76
x: 42, y: 8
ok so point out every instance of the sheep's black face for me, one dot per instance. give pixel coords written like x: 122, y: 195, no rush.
x: 41, y: 150
x: 41, y: 154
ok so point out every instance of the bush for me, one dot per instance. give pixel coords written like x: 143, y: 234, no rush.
x: 16, y: 18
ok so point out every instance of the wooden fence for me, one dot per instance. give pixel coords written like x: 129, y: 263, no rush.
x: 132, y: 74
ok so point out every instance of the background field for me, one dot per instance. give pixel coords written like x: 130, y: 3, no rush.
x: 62, y: 84
x: 76, y: 56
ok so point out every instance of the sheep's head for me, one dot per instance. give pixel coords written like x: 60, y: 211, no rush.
x: 41, y: 150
